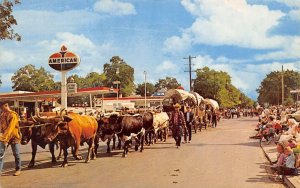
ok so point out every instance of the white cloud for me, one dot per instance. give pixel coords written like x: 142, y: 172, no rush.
x: 230, y: 22
x: 290, y: 50
x: 39, y: 24
x: 77, y: 43
x: 290, y: 3
x: 6, y: 56
x: 166, y: 66
x: 92, y: 55
x: 114, y: 7
x: 295, y: 14
x: 246, y: 77
x: 177, y: 44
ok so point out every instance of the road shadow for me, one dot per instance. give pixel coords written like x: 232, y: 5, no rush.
x: 251, y: 144
x: 265, y: 176
x: 159, y: 147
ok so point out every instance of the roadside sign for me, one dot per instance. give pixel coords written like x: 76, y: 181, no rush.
x: 71, y: 88
x: 63, y: 60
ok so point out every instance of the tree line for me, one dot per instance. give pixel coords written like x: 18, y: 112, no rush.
x: 270, y: 89
x: 208, y: 83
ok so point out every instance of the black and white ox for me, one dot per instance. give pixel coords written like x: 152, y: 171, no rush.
x: 108, y: 125
x: 130, y: 127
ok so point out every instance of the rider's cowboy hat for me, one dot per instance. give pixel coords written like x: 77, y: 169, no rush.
x: 177, y: 105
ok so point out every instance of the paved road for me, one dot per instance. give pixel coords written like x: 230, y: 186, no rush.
x: 221, y: 157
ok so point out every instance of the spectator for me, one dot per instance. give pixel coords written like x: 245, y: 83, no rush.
x: 292, y: 131
x: 288, y: 167
x: 280, y: 156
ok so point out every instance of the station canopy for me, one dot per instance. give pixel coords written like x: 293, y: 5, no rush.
x: 31, y: 96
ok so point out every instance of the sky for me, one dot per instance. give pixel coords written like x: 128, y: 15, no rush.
x: 246, y: 38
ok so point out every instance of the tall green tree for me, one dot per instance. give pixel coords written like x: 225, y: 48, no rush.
x: 217, y: 85
x: 168, y: 82
x: 119, y: 70
x: 270, y: 89
x: 94, y: 79
x: 28, y: 78
x: 150, y: 89
x: 8, y: 20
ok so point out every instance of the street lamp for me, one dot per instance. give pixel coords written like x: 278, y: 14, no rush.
x: 145, y: 89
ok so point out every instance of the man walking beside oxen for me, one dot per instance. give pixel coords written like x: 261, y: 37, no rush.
x: 189, y: 116
x: 9, y: 134
x: 177, y: 122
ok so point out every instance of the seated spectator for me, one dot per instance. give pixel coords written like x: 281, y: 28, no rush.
x: 280, y: 156
x: 268, y: 133
x: 292, y: 143
x: 288, y: 167
x: 277, y: 126
x: 290, y: 133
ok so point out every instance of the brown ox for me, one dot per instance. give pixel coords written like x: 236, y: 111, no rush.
x: 36, y: 131
x: 73, y: 130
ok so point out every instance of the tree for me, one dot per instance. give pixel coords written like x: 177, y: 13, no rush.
x: 28, y: 78
x: 0, y: 81
x: 94, y: 79
x: 270, y: 89
x: 168, y: 82
x: 8, y: 20
x: 119, y: 70
x: 217, y: 85
x: 141, y: 89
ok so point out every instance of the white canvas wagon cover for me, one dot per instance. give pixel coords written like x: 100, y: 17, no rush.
x: 212, y: 102
x: 180, y: 95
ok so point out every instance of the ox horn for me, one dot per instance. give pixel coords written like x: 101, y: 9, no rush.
x: 38, y: 114
x: 61, y: 111
x: 34, y: 120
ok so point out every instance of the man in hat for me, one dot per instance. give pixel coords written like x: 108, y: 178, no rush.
x: 9, y: 134
x: 177, y: 123
x: 189, y: 116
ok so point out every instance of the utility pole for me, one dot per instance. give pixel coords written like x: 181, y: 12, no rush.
x: 282, y: 86
x: 145, y: 90
x: 190, y: 69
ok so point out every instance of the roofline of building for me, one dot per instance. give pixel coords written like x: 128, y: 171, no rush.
x: 57, y: 93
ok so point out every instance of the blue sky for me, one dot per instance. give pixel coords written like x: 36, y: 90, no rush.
x: 246, y: 38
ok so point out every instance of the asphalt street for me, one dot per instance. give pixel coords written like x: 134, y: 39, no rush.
x: 216, y: 157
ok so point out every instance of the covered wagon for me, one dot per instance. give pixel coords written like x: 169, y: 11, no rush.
x: 182, y: 97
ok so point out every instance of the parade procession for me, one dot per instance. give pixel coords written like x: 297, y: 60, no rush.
x: 149, y: 94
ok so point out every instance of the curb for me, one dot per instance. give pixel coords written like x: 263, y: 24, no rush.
x: 286, y: 181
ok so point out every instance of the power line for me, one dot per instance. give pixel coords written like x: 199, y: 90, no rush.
x: 190, y: 69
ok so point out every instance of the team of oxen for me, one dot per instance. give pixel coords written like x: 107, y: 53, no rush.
x: 68, y: 129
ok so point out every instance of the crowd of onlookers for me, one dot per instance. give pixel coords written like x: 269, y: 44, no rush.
x: 230, y: 113
x: 275, y: 125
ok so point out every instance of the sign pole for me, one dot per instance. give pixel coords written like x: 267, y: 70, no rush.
x: 64, y: 94
x: 64, y: 61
